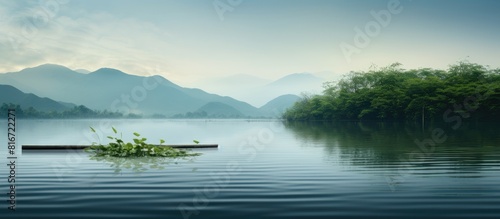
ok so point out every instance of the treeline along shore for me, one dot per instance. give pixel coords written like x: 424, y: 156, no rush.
x: 467, y: 90
x: 75, y: 112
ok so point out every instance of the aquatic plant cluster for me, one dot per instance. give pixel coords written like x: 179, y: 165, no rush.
x: 138, y: 148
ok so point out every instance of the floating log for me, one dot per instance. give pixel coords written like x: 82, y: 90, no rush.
x: 79, y: 147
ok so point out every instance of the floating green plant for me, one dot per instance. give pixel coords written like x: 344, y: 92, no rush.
x: 137, y: 148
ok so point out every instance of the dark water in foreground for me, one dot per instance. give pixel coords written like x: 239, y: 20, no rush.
x: 263, y: 169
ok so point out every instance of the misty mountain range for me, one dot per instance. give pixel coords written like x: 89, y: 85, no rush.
x: 54, y: 87
x: 259, y: 91
x: 13, y: 95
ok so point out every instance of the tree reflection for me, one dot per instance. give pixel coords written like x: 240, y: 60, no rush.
x: 387, y: 145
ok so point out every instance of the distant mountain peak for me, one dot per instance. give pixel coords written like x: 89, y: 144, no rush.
x: 297, y: 78
x: 50, y: 67
x: 109, y: 71
x: 99, y: 90
x: 219, y: 109
x: 82, y: 71
x: 279, y: 104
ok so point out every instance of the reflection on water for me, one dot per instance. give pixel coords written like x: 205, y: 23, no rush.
x: 139, y: 164
x: 307, y: 170
x: 463, y: 152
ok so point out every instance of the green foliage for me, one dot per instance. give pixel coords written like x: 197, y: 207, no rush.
x: 393, y: 93
x: 137, y: 148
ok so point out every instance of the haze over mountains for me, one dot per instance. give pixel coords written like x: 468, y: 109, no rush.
x: 259, y: 91
x: 13, y: 95
x: 111, y: 89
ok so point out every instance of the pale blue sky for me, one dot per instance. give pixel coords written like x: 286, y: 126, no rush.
x: 187, y: 41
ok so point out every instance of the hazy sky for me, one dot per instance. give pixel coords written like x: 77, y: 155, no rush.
x: 189, y: 40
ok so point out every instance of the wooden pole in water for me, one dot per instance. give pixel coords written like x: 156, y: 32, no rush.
x: 77, y: 147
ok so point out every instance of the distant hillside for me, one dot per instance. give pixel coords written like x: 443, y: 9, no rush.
x: 13, y: 95
x: 295, y: 84
x: 42, y: 80
x: 296, y: 79
x: 278, y: 105
x: 82, y: 71
x: 217, y: 109
x: 114, y: 90
x: 240, y: 86
x: 258, y: 91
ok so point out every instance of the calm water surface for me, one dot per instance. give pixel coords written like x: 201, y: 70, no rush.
x: 262, y: 169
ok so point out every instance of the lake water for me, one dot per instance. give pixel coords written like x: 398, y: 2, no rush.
x: 262, y: 169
